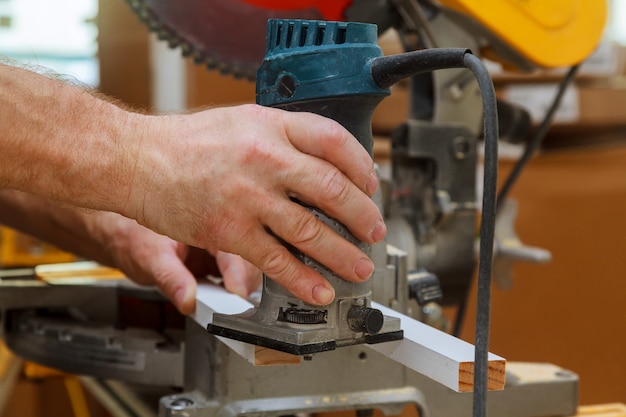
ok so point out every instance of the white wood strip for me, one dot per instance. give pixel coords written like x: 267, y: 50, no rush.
x: 215, y: 299
x: 438, y: 355
x: 424, y: 349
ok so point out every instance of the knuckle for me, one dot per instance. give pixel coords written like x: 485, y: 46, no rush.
x: 253, y: 110
x: 335, y: 187
x: 276, y: 262
x: 226, y: 233
x: 307, y: 230
x: 335, y: 135
x: 167, y: 282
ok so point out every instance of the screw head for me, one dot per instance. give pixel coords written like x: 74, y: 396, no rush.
x: 460, y: 147
x: 181, y: 403
x: 286, y: 86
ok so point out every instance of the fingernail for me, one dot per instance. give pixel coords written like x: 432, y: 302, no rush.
x: 364, y: 268
x: 323, y: 295
x: 372, y: 183
x: 379, y: 232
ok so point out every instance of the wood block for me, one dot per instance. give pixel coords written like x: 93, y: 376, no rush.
x: 268, y: 357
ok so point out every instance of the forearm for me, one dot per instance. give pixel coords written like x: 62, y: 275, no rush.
x: 113, y: 240
x: 61, y: 142
x: 73, y: 230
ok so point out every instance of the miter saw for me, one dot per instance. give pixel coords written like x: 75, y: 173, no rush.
x: 335, y: 69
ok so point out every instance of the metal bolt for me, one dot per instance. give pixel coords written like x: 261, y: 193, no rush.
x: 181, y: 403
x: 460, y: 147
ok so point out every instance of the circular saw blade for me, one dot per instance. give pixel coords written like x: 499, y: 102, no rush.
x: 229, y: 35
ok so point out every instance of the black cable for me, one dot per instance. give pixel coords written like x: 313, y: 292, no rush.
x: 538, y: 137
x: 487, y: 232
x: 386, y: 71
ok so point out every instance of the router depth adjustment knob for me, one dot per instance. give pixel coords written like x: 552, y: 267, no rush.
x: 365, y: 319
x: 304, y: 316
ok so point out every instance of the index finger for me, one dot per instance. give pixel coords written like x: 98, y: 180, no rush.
x: 326, y: 139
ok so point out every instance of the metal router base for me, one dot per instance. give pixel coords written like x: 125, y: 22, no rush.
x: 297, y: 339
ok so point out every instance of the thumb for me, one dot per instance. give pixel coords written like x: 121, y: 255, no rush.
x: 175, y: 281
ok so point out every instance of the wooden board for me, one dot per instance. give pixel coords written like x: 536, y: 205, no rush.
x: 604, y: 410
x: 76, y: 273
x: 438, y: 355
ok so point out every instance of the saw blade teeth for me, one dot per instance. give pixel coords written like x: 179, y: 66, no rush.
x: 163, y: 35
x: 238, y: 72
x: 198, y: 58
x: 153, y: 25
x: 225, y: 70
x: 186, y: 49
x: 143, y: 14
x: 211, y: 63
x: 198, y: 55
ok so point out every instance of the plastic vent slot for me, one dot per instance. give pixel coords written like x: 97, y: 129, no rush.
x: 293, y: 34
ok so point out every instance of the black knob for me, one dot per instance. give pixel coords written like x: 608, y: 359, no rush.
x: 424, y: 287
x: 365, y: 319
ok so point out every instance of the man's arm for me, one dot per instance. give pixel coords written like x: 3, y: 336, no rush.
x: 65, y: 227
x: 220, y: 179
x: 62, y: 142
x: 111, y: 239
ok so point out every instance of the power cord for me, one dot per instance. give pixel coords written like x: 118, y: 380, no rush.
x: 487, y: 231
x: 386, y: 71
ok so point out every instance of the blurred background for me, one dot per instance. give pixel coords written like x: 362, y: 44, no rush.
x: 572, y: 197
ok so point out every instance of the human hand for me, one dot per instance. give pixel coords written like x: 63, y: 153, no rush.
x: 222, y: 180
x: 152, y: 259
